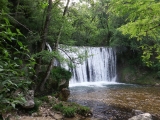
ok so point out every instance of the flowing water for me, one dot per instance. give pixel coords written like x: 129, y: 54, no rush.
x: 93, y: 84
x: 100, y: 65
x: 117, y: 101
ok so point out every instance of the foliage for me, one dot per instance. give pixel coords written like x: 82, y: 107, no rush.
x: 83, y: 110
x: 59, y: 74
x: 133, y: 75
x: 58, y: 107
x: 46, y: 55
x: 90, y: 21
x: 44, y: 98
x: 13, y: 75
x: 141, y: 22
x: 71, y: 109
x: 143, y: 17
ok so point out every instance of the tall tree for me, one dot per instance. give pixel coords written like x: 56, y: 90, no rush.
x: 44, y: 35
x: 50, y: 66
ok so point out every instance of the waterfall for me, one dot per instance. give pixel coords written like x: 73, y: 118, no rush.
x: 99, y: 66
x: 48, y: 47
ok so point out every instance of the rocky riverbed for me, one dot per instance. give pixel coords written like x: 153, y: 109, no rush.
x: 118, y: 102
x: 108, y: 102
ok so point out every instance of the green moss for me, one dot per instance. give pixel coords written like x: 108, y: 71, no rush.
x: 134, y: 75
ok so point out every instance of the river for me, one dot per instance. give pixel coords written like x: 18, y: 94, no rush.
x: 116, y: 101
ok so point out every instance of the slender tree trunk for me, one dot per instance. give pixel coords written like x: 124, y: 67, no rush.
x: 56, y: 48
x: 43, y: 38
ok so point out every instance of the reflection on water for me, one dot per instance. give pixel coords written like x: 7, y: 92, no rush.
x: 101, y: 99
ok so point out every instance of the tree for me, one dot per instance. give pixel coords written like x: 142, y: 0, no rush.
x: 143, y: 17
x: 44, y: 36
x: 50, y: 66
x: 90, y: 20
x: 142, y: 22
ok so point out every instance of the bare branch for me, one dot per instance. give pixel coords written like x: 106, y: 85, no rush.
x: 19, y: 23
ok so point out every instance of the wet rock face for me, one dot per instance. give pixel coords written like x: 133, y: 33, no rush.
x: 145, y: 116
x: 29, y: 99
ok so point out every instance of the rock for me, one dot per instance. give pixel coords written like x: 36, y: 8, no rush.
x: 157, y: 84
x: 145, y: 116
x: 137, y: 112
x: 128, y: 99
x: 63, y: 84
x: 64, y: 94
x: 58, y: 116
x: 29, y: 97
x: 34, y: 114
x: 6, y: 116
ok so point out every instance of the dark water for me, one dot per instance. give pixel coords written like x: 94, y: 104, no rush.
x: 117, y: 101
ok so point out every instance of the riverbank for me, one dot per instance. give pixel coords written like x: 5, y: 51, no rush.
x: 50, y: 108
x: 108, y: 102
x: 133, y: 74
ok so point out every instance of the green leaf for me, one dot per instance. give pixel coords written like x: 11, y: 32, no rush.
x: 20, y: 43
x: 18, y: 31
x: 1, y: 69
x: 13, y: 105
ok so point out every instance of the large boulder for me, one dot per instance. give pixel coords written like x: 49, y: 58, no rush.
x: 145, y: 116
x: 29, y: 97
x: 64, y: 94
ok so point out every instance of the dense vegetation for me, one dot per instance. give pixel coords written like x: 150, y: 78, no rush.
x: 27, y: 27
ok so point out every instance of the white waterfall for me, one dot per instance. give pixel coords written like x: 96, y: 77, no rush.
x: 100, y: 66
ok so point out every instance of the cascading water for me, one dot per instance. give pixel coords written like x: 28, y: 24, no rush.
x: 100, y: 66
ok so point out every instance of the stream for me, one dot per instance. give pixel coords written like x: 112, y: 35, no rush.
x: 116, y: 101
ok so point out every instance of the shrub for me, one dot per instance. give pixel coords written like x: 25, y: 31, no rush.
x: 72, y: 109
x: 59, y: 73
x: 69, y: 111
x: 58, y: 107
x: 83, y: 110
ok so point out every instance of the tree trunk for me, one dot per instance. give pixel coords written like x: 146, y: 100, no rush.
x: 43, y: 38
x: 56, y: 48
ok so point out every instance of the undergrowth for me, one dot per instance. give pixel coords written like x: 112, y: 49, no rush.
x: 72, y: 109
